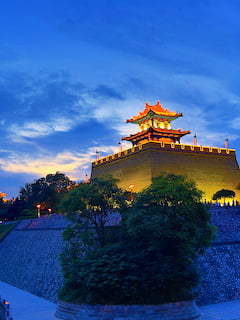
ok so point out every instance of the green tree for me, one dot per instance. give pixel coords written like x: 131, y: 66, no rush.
x: 223, y: 193
x: 47, y: 191
x: 169, y: 218
x: 94, y: 204
x: 150, y: 258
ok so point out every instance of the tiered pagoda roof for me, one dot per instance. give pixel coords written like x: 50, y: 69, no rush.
x: 157, y: 111
x: 155, y: 125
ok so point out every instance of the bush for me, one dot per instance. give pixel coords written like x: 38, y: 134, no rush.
x: 27, y: 214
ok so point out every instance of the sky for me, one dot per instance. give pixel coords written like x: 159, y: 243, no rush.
x: 73, y: 71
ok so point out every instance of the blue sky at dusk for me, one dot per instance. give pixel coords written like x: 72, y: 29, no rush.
x: 72, y: 72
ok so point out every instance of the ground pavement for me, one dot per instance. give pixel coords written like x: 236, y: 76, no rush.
x: 26, y: 306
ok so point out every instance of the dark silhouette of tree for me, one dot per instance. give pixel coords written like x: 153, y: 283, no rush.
x: 3, y: 209
x: 47, y: 191
x: 223, y: 193
x: 15, y: 208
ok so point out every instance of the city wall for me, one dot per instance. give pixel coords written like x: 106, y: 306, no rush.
x: 29, y: 258
x: 211, y: 168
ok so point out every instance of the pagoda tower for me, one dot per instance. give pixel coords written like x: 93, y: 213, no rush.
x: 157, y: 149
x: 155, y: 125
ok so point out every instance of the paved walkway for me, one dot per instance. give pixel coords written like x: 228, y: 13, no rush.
x: 221, y: 311
x: 26, y: 306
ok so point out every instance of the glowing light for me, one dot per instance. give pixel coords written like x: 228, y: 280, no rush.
x: 38, y: 210
x: 131, y: 186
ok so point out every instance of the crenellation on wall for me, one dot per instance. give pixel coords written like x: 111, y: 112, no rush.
x: 166, y: 146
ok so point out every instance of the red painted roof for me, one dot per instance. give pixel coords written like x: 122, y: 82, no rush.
x: 158, y: 131
x: 157, y: 109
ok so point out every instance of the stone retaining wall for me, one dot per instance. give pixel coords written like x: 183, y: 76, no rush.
x: 220, y: 275
x: 29, y: 258
x: 227, y: 220
x: 185, y: 310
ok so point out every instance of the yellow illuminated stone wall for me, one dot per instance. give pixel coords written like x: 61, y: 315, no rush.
x: 211, y: 168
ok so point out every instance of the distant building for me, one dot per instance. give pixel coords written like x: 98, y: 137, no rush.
x: 157, y: 148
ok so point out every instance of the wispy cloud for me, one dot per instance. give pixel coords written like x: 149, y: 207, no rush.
x: 107, y: 92
x: 205, y: 89
x: 68, y: 162
x: 74, y: 164
x: 235, y: 123
x: 18, y: 132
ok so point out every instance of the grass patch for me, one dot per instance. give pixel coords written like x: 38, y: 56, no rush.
x: 5, y: 229
x: 33, y: 216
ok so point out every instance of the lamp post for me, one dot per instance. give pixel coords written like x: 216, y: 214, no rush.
x: 131, y: 186
x: 38, y: 210
x: 49, y: 211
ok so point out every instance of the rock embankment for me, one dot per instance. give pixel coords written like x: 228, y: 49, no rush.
x: 29, y: 257
x: 219, y: 266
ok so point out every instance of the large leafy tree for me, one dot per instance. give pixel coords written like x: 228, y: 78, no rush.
x: 46, y: 191
x: 150, y: 258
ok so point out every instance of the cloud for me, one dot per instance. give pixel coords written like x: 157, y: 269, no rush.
x: 74, y: 164
x: 18, y: 133
x: 196, y: 119
x: 115, y: 113
x: 235, y: 123
x: 165, y: 31
x: 205, y: 89
x: 28, y: 96
x: 53, y: 102
x: 107, y: 92
x: 43, y: 164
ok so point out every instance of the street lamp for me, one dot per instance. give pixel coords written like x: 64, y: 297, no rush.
x: 49, y: 211
x: 38, y: 210
x: 131, y: 186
